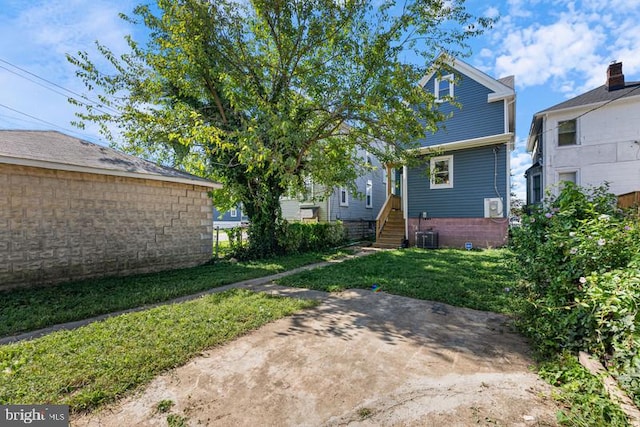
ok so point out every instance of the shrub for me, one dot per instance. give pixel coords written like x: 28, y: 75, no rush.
x: 578, y: 258
x: 300, y: 237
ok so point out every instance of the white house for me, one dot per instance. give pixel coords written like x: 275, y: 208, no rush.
x: 590, y: 139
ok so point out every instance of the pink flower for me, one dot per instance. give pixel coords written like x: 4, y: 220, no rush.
x: 583, y: 280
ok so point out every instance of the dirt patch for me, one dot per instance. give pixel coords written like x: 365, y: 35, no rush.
x: 359, y: 359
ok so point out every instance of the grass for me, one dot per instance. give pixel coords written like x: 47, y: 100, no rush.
x: 102, y: 361
x: 476, y: 279
x: 24, y: 310
x: 585, y: 400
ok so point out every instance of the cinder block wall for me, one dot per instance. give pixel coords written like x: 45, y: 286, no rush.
x: 57, y: 226
x: 455, y: 232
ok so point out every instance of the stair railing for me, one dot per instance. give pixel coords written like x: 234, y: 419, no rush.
x: 392, y: 203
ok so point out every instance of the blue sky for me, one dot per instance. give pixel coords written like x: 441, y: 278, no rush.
x: 556, y: 49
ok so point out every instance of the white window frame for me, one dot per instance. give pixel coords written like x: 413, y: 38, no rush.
x: 432, y: 169
x: 369, y: 195
x: 233, y: 212
x: 436, y: 87
x: 344, y: 201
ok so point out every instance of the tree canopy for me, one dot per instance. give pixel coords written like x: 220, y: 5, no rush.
x: 260, y: 95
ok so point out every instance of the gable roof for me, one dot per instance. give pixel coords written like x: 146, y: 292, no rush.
x: 55, y: 150
x: 502, y: 88
x: 596, y: 96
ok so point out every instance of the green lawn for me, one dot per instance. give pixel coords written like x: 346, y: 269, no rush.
x: 29, y: 309
x: 102, y: 361
x: 475, y: 279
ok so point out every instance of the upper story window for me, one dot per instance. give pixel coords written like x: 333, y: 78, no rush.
x: 444, y: 87
x: 567, y: 133
x: 233, y: 213
x: 441, y: 172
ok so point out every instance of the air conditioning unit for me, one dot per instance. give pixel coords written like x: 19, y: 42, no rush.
x: 493, y: 207
x: 427, y: 239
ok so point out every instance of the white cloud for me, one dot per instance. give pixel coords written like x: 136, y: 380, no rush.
x: 568, y: 45
x: 35, y: 36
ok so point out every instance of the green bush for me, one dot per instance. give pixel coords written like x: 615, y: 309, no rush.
x: 297, y: 237
x: 578, y: 258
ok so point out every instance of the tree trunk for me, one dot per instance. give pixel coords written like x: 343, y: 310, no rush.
x: 265, y: 221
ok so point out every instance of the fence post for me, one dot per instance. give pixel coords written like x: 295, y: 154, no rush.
x: 217, y: 239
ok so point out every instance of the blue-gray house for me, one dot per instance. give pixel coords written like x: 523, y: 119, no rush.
x: 232, y: 218
x: 460, y: 193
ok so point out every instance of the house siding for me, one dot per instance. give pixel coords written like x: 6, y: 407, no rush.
x: 226, y: 220
x: 474, y: 118
x: 477, y: 173
x: 357, y: 210
x: 58, y: 226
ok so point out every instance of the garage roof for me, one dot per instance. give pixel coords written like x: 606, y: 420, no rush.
x: 55, y: 150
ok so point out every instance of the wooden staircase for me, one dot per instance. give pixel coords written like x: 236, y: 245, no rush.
x: 390, y: 225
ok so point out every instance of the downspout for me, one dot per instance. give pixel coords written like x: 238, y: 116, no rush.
x: 405, y: 202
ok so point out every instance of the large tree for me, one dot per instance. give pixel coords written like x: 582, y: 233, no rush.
x: 262, y: 94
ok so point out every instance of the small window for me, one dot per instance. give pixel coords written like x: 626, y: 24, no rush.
x: 369, y: 194
x: 567, y: 177
x: 441, y: 172
x: 384, y: 175
x: 344, y: 197
x: 567, y: 133
x: 234, y: 213
x: 444, y: 88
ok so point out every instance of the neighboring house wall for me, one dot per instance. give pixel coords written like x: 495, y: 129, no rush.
x: 59, y: 225
x: 604, y: 143
x: 232, y: 218
x: 607, y: 147
x: 358, y: 214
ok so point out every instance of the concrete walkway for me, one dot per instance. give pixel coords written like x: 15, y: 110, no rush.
x: 246, y: 284
x: 360, y: 358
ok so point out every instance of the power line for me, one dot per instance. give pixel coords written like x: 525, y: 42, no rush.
x: 47, y: 123
x: 96, y: 104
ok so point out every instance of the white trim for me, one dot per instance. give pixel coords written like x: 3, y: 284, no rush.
x: 405, y: 200
x: 574, y: 170
x: 468, y: 143
x: 97, y: 171
x: 506, y: 116
x: 233, y: 213
x: 436, y: 87
x: 499, y: 89
x: 508, y: 181
x: 432, y: 161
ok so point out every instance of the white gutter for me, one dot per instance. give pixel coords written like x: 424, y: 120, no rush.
x: 468, y: 143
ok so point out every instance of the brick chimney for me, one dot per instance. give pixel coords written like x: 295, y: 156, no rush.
x: 615, y: 78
